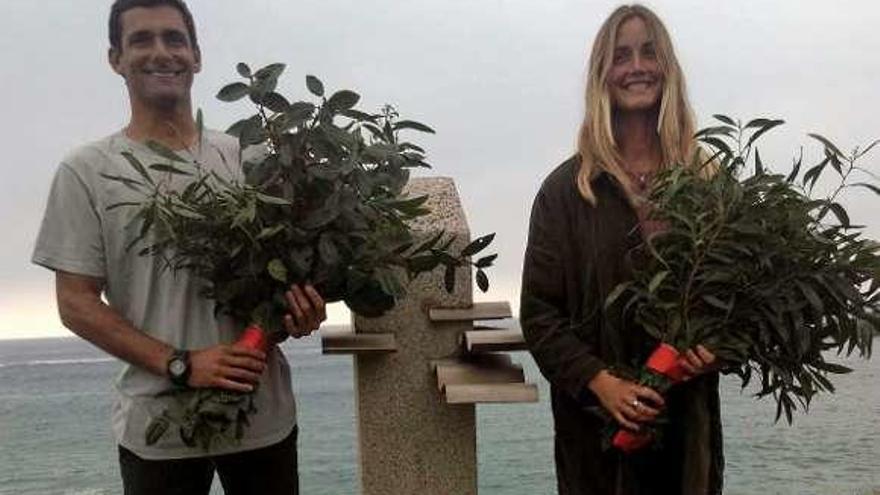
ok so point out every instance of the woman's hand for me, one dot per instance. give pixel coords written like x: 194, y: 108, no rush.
x: 628, y: 402
x: 307, y: 310
x: 698, y: 361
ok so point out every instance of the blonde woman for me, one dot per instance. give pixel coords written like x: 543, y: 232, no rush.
x: 588, y: 215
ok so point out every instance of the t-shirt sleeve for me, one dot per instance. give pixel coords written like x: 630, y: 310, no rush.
x: 70, y: 237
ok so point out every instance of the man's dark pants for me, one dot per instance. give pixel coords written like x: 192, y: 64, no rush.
x: 270, y: 470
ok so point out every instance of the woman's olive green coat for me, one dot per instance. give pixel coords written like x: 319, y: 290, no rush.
x: 576, y: 254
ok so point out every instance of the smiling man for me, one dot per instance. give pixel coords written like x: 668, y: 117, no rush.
x: 154, y: 319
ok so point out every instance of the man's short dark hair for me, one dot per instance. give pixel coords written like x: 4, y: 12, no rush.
x: 120, y: 6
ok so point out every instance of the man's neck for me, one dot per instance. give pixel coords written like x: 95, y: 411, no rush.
x: 636, y: 134
x: 173, y: 127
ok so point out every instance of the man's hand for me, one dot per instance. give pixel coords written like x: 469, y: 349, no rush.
x: 307, y: 310
x: 698, y: 361
x: 226, y: 366
x: 628, y: 402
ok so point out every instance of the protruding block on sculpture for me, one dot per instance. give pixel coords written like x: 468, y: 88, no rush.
x: 476, y: 341
x: 357, y: 343
x: 491, y: 393
x: 477, y: 311
x: 492, y: 368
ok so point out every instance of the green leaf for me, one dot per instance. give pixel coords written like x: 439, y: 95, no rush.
x: 840, y: 212
x: 796, y: 167
x: 130, y: 183
x: 327, y: 250
x: 343, y: 100
x: 770, y: 124
x: 716, y: 302
x: 759, y: 166
x: 759, y: 123
x: 272, y: 200
x: 301, y: 110
x: 357, y: 115
x: 615, y: 294
x: 156, y: 429
x: 275, y: 102
x: 315, y: 86
x: 477, y: 245
x: 423, y: 263
x: 486, y: 261
x: 833, y: 368
x: 828, y: 144
x: 656, y: 280
x: 243, y: 70
x: 233, y: 92
x: 870, y: 187
x: 430, y: 243
x: 718, y: 144
x: 168, y: 168
x: 724, y: 118
x: 449, y: 278
x: 716, y: 130
x: 482, y: 280
x: 812, y: 175
x: 122, y: 204
x: 277, y: 270
x: 269, y: 232
x: 411, y: 124
x: 164, y: 151
x: 138, y: 166
x: 813, y: 298
x: 321, y: 217
x: 271, y: 71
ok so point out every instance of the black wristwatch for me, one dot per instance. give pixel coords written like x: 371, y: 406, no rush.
x: 178, y: 367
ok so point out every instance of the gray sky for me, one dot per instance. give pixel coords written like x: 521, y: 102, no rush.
x: 500, y: 81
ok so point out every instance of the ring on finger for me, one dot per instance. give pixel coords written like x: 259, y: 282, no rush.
x: 635, y: 403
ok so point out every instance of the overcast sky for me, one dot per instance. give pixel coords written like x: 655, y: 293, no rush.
x: 500, y: 81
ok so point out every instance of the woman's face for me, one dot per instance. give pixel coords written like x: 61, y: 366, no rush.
x: 634, y: 80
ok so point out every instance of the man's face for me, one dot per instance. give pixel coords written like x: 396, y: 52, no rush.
x: 156, y: 58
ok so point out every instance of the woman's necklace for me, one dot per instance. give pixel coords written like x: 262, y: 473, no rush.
x: 640, y: 180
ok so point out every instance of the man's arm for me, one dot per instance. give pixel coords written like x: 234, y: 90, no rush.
x: 85, y: 314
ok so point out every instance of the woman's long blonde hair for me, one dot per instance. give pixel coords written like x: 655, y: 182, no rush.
x: 597, y: 146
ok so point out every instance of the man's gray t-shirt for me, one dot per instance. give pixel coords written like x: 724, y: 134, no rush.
x: 79, y: 235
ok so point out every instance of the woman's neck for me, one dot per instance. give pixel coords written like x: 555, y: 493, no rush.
x: 638, y: 142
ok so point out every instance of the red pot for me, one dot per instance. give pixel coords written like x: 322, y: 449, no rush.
x: 253, y: 337
x: 663, y: 361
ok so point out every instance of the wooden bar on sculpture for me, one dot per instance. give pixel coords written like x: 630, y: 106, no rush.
x: 457, y: 371
x: 477, y: 311
x: 493, y: 340
x: 491, y: 393
x: 358, y: 343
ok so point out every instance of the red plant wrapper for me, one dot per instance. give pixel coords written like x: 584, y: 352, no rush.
x: 664, y: 360
x: 630, y: 441
x: 253, y: 337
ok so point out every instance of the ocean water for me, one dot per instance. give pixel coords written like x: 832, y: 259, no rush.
x: 55, y: 438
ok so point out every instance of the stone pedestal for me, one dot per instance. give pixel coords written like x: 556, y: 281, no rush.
x: 409, y: 441
x: 421, y: 368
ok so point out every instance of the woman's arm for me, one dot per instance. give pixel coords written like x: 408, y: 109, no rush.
x: 566, y: 360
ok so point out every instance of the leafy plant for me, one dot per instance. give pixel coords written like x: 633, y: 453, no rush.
x: 753, y: 267
x: 321, y: 202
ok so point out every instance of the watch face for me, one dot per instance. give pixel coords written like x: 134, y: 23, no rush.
x: 177, y: 367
